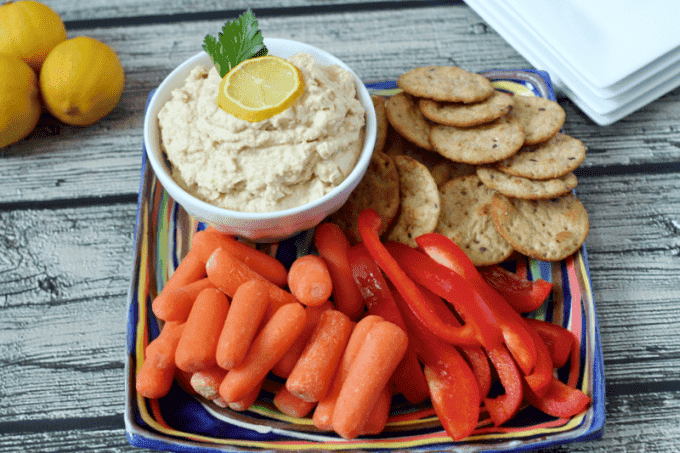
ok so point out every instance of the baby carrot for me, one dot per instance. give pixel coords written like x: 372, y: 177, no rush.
x: 370, y: 372
x: 323, y: 414
x: 313, y: 373
x: 290, y: 404
x: 206, y: 242
x: 153, y: 382
x: 309, y: 280
x: 377, y: 418
x: 228, y: 273
x: 207, y: 382
x: 198, y: 343
x: 161, y: 351
x: 175, y: 305
x: 247, y: 309
x: 245, y: 402
x: 285, y: 365
x: 332, y: 245
x: 190, y: 269
x: 273, y: 340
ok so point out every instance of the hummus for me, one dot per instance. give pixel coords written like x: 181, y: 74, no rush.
x: 285, y: 161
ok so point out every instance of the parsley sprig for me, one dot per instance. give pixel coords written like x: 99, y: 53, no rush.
x: 240, y: 40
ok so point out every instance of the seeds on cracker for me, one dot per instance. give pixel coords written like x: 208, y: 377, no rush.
x: 378, y: 190
x: 406, y: 118
x: 481, y: 144
x: 465, y: 219
x: 446, y: 83
x: 419, y: 202
x: 547, y: 230
x: 519, y: 187
x: 382, y: 124
x: 556, y: 157
x: 466, y: 115
x: 540, y: 118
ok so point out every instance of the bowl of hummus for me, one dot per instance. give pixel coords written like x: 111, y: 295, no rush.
x: 267, y: 180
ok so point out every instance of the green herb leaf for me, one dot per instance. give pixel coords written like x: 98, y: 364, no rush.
x: 240, y: 40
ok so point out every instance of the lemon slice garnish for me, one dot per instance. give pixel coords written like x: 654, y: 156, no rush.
x: 259, y: 88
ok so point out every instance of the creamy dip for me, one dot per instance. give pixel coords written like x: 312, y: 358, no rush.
x: 285, y: 161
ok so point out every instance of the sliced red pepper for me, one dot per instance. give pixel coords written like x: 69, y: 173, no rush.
x: 503, y: 407
x: 539, y: 379
x: 558, y: 340
x: 524, y: 295
x: 516, y: 331
x: 369, y: 223
x: 408, y: 378
x: 560, y: 400
x: 452, y: 384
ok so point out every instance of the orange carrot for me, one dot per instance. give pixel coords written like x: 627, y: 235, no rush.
x: 247, y: 309
x: 189, y: 270
x: 290, y: 404
x: 332, y: 245
x: 176, y: 304
x: 323, y: 414
x: 161, y: 351
x: 228, y: 273
x: 285, y: 365
x: 183, y: 378
x: 247, y: 401
x: 206, y: 242
x: 377, y: 418
x: 207, y: 382
x: 313, y: 373
x: 309, y: 280
x: 153, y: 382
x: 277, y: 335
x: 370, y: 372
x: 198, y: 343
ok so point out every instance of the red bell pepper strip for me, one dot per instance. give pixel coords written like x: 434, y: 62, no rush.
x: 524, y: 295
x: 369, y: 223
x: 516, y: 331
x: 409, y: 379
x: 452, y: 384
x: 332, y: 245
x: 539, y: 379
x: 558, y: 340
x: 560, y: 400
x: 503, y: 407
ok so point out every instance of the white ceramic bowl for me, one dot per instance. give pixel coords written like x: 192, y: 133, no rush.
x: 260, y: 227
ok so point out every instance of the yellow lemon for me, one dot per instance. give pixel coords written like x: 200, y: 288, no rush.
x: 30, y: 30
x: 19, y: 99
x: 259, y: 88
x: 81, y: 81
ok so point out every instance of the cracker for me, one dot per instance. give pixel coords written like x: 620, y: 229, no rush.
x: 406, y: 118
x: 556, y: 157
x: 446, y: 83
x: 518, y: 187
x: 419, y: 202
x: 481, y: 144
x: 548, y: 230
x: 540, y: 118
x: 378, y: 190
x: 381, y: 116
x: 446, y: 169
x: 465, y: 219
x: 466, y: 115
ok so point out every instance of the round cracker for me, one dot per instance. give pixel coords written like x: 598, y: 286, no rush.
x: 481, y: 144
x: 467, y: 115
x: 548, y: 230
x: 556, y: 157
x: 518, y: 187
x: 406, y: 118
x: 378, y: 190
x: 540, y: 118
x: 446, y: 169
x: 465, y: 219
x: 381, y: 116
x: 419, y: 202
x: 446, y: 83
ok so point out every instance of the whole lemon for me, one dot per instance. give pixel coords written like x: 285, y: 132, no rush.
x: 29, y: 31
x: 81, y: 81
x: 19, y: 99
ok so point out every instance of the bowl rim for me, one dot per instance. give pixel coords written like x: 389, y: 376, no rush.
x: 183, y: 197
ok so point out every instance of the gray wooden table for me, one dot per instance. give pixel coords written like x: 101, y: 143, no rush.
x: 68, y: 203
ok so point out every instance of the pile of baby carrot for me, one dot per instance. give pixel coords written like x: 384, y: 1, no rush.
x: 345, y: 339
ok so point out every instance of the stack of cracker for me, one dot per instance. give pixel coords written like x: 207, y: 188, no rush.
x: 490, y: 170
